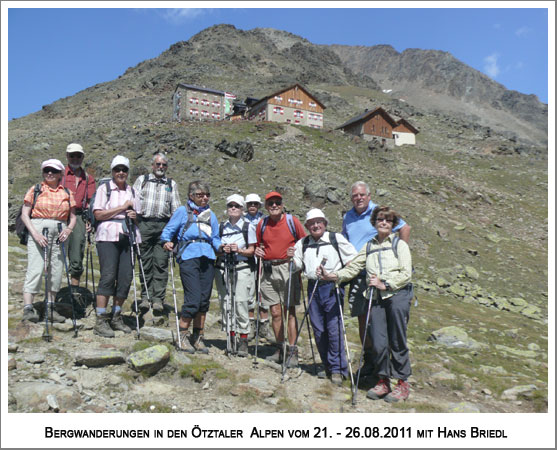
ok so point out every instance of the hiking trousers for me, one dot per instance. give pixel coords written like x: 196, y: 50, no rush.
x: 387, y: 328
x: 154, y: 259
x: 197, y: 276
x: 243, y: 283
x: 116, y: 268
x: 76, y: 247
x: 324, y: 314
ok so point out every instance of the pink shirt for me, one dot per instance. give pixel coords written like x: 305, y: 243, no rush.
x: 107, y: 230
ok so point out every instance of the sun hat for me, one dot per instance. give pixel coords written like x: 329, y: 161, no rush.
x: 235, y: 198
x: 120, y: 161
x: 315, y: 213
x: 253, y: 198
x: 272, y: 194
x: 54, y: 163
x: 74, y: 148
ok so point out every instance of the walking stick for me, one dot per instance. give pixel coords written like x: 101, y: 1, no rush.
x: 257, y: 314
x: 46, y: 336
x: 348, y: 358
x: 131, y: 237
x: 171, y: 263
x: 285, y: 317
x: 234, y: 326
x: 227, y: 304
x: 306, y: 313
x: 306, y: 308
x: 142, y: 271
x: 61, y: 243
x: 90, y: 255
x: 363, y: 345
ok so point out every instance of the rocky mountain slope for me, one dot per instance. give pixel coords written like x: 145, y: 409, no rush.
x: 474, y: 194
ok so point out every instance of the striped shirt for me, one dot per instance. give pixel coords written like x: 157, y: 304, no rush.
x: 158, y: 200
x: 51, y: 203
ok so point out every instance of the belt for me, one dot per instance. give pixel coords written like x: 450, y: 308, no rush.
x: 320, y: 282
x: 154, y: 219
x: 278, y: 262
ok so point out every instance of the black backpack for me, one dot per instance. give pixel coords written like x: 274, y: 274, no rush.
x: 154, y: 180
x: 245, y: 229
x: 91, y: 217
x: 333, y: 241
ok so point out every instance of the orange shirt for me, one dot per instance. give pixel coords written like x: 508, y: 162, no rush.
x: 277, y: 237
x: 51, y: 203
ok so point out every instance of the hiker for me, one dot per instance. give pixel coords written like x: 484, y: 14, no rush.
x: 114, y: 201
x: 253, y: 204
x: 278, y: 233
x: 237, y: 245
x: 52, y: 205
x: 357, y: 228
x: 82, y: 186
x: 388, y: 265
x: 196, y: 231
x: 159, y: 199
x: 324, y: 310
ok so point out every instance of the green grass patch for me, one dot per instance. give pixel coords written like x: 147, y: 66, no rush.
x: 198, y: 368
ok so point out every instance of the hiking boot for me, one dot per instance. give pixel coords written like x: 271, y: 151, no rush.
x: 102, y: 328
x: 117, y: 323
x: 144, y: 306
x: 322, y: 374
x: 292, y: 354
x: 336, y: 379
x: 400, y: 392
x: 158, y: 307
x: 198, y: 344
x: 381, y: 389
x: 367, y: 366
x: 30, y: 315
x: 251, y: 334
x: 266, y: 332
x: 243, y: 347
x: 185, y: 344
x: 53, y: 315
x: 277, y: 356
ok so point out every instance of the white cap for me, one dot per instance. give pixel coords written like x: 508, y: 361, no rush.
x: 74, y: 148
x: 315, y: 213
x: 253, y: 198
x: 54, y: 163
x: 235, y: 198
x: 120, y: 161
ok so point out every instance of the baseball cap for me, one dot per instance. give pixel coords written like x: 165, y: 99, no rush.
x: 253, y: 198
x: 54, y: 163
x: 315, y: 213
x: 74, y: 148
x: 120, y: 161
x: 235, y: 198
x: 272, y: 194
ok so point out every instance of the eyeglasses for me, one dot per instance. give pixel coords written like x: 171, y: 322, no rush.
x: 359, y: 195
x: 233, y: 205
x: 253, y: 204
x: 161, y: 164
x: 202, y: 194
x: 75, y: 155
x: 120, y: 169
x: 274, y: 202
x: 51, y: 170
x: 384, y: 219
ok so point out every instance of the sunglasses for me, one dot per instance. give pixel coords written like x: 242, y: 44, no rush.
x: 274, y: 202
x: 384, y: 219
x: 202, y: 194
x: 120, y: 169
x: 161, y: 164
x: 253, y: 204
x: 233, y: 205
x: 51, y: 170
x: 75, y: 155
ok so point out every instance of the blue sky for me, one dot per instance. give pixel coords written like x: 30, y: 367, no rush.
x: 55, y: 52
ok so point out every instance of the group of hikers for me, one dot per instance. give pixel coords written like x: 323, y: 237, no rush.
x: 256, y: 260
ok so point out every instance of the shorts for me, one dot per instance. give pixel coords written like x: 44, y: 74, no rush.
x: 274, y: 287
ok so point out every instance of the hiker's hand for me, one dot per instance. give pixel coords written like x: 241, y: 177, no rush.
x: 40, y: 239
x: 260, y: 252
x: 290, y: 252
x: 377, y: 283
x: 168, y: 246
x: 88, y: 228
x: 233, y: 248
x: 65, y: 234
x: 131, y: 214
x: 128, y: 205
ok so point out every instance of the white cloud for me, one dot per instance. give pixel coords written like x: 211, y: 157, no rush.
x: 522, y: 31
x: 490, y: 65
x: 181, y: 15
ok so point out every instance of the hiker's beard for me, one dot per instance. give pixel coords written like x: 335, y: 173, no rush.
x: 159, y: 173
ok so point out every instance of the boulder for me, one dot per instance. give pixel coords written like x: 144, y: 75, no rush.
x: 455, y: 337
x: 150, y: 360
x: 99, y: 358
x: 516, y: 352
x: 156, y: 334
x: 471, y: 273
x: 33, y: 395
x: 514, y: 392
x: 12, y: 364
x: 532, y: 312
x: 34, y: 358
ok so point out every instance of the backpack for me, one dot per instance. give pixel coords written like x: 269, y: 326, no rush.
x: 334, y: 243
x: 91, y: 217
x: 147, y: 179
x: 245, y: 229
x: 180, y: 245
x: 394, y: 248
x: 289, y: 221
x: 20, y: 228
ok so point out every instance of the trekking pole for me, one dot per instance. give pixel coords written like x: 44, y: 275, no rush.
x: 171, y: 263
x: 61, y: 243
x: 130, y: 227
x: 306, y: 313
x: 131, y: 237
x: 234, y: 326
x: 348, y: 358
x: 306, y: 308
x: 257, y: 314
x: 227, y: 305
x: 363, y: 346
x: 92, y: 271
x: 285, y: 317
x: 46, y: 336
